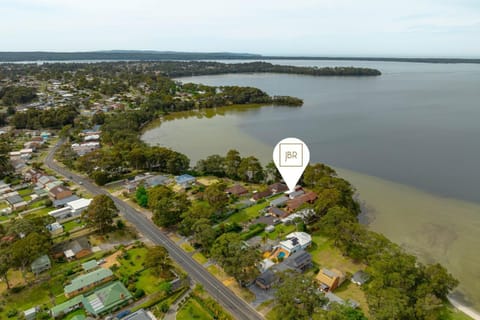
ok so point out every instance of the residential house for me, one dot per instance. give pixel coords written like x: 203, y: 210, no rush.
x: 279, y: 202
x: 41, y: 264
x: 260, y: 195
x: 296, y: 194
x: 139, y: 315
x: 60, y: 192
x: 62, y: 202
x: 102, y: 301
x: 90, y: 265
x: 43, y: 180
x: 266, y: 280
x: 294, y: 204
x: 333, y: 298
x: 86, y: 282
x: 297, y: 262
x: 296, y: 241
x: 71, y: 210
x: 360, y: 277
x: 277, y: 212
x: 185, y: 180
x: 55, y: 228
x: 16, y: 202
x: 49, y: 186
x: 157, y: 180
x: 237, y: 190
x: 330, y: 279
x: 77, y: 248
x: 277, y: 188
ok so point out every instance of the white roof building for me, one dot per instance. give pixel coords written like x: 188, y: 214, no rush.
x: 296, y: 241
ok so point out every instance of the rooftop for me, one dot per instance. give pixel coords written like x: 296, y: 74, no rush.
x: 88, y: 279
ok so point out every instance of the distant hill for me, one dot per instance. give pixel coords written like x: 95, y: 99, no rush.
x: 121, y: 55
x: 151, y: 55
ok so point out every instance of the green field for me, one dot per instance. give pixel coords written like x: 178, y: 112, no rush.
x: 193, y: 310
x: 250, y: 212
x: 73, y: 224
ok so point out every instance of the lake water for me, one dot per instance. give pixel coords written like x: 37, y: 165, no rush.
x: 409, y: 141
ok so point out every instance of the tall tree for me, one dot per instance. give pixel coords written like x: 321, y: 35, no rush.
x: 100, y: 213
x: 5, y: 265
x: 27, y: 249
x: 204, y: 234
x: 298, y: 297
x: 216, y: 197
x: 232, y: 161
x: 167, y: 205
x: 159, y: 260
x: 250, y: 170
x: 235, y: 257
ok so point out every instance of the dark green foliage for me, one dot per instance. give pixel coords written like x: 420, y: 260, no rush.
x: 235, y: 258
x: 141, y: 196
x: 52, y: 118
x: 13, y: 95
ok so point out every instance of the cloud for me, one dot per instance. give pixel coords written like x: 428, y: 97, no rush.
x: 266, y: 26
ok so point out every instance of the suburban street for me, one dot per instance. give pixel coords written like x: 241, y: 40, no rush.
x: 236, y: 306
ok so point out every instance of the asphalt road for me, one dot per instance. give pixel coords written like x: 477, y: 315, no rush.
x: 236, y: 306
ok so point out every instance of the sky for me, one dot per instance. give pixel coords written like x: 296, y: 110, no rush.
x: 406, y: 28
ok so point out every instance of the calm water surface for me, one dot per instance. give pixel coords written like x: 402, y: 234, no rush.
x: 409, y: 140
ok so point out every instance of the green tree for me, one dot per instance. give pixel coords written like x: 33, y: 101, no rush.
x: 235, y: 257
x: 298, y: 297
x: 212, y: 165
x: 167, y: 205
x: 216, y: 197
x: 199, y: 210
x: 27, y: 249
x: 204, y: 234
x: 158, y: 259
x: 5, y: 265
x: 100, y: 213
x: 141, y: 196
x: 250, y: 170
x: 232, y: 161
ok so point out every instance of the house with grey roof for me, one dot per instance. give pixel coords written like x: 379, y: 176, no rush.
x: 41, y: 264
x: 360, y: 277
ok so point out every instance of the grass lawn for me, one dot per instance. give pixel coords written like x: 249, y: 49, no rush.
x: 250, y: 212
x: 349, y: 290
x: 32, y: 295
x: 200, y: 258
x: 148, y: 282
x: 193, y: 310
x: 40, y: 212
x: 79, y: 312
x: 280, y: 231
x: 134, y: 263
x: 187, y: 247
x: 3, y: 205
x: 73, y: 224
x: 25, y: 192
x: 326, y: 255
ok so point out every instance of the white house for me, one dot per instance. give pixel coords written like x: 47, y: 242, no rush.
x: 71, y: 210
x: 296, y: 241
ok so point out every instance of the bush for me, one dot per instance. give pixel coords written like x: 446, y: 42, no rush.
x: 12, y: 313
x: 139, y: 293
x: 17, y: 289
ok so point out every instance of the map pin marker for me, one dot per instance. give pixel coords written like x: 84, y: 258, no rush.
x: 291, y: 156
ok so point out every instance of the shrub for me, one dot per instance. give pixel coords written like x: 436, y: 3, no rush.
x: 139, y: 293
x: 12, y: 313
